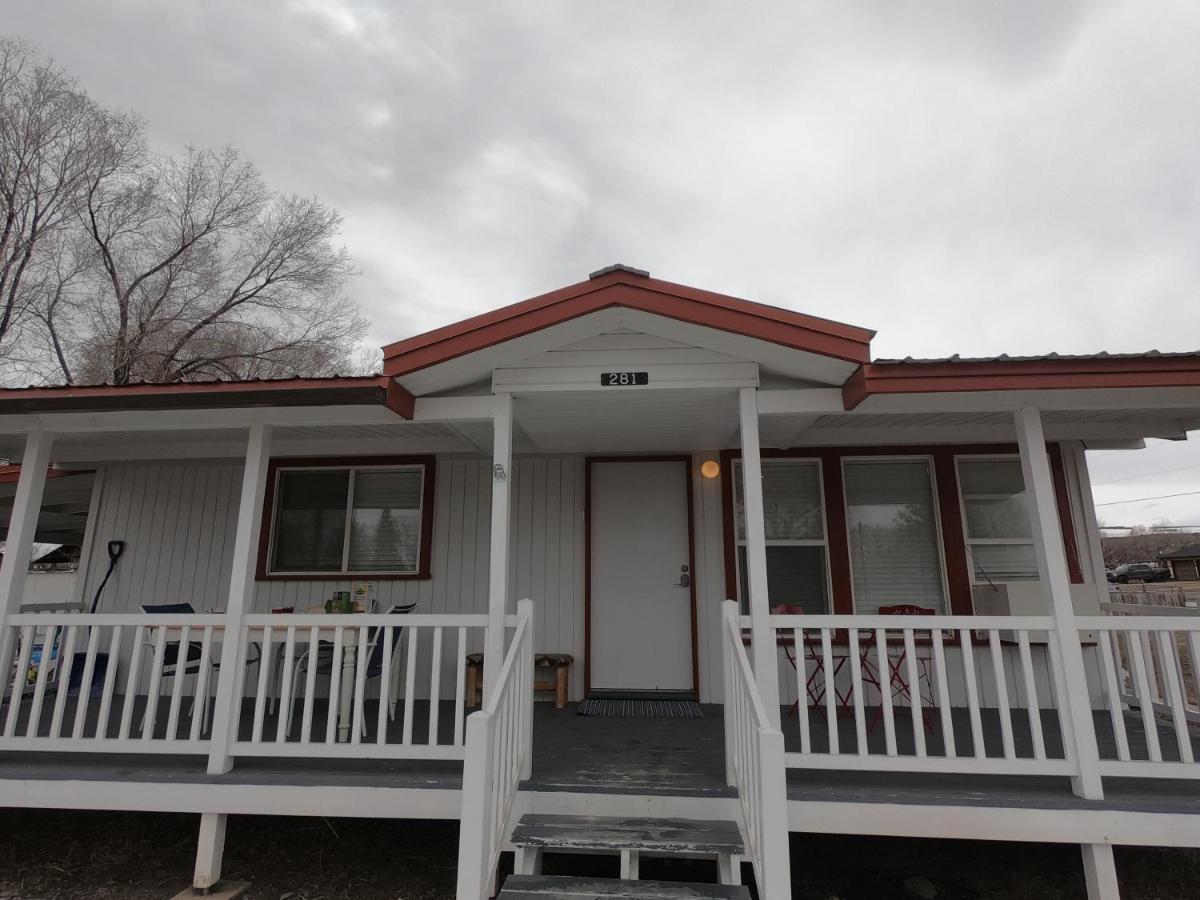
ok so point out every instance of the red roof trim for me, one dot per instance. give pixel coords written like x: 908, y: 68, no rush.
x: 622, y: 289
x: 362, y: 390
x: 1024, y: 375
x: 12, y: 474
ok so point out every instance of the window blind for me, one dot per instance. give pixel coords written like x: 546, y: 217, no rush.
x: 892, y: 524
x: 791, y: 501
x: 385, y: 527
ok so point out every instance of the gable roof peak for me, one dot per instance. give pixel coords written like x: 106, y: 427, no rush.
x: 618, y: 267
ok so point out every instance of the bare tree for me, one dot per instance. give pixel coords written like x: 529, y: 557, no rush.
x: 119, y: 265
x: 52, y: 140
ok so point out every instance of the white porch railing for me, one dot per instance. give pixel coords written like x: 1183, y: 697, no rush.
x: 108, y: 683
x: 499, y: 755
x: 1150, y: 657
x: 897, y: 682
x: 754, y: 764
x: 312, y: 680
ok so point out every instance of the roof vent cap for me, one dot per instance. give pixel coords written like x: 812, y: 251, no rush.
x: 619, y: 267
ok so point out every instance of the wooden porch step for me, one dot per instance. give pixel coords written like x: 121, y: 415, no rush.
x: 542, y: 887
x: 656, y: 836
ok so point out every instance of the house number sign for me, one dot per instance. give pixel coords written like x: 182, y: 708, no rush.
x: 623, y: 379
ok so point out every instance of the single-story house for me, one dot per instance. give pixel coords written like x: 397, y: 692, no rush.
x: 865, y: 594
x: 1183, y: 563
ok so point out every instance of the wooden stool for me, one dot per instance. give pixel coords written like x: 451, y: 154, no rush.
x: 560, y: 662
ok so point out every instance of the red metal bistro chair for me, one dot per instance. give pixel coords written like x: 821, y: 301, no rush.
x: 814, y: 684
x: 897, y: 672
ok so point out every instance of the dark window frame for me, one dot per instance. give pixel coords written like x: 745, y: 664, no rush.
x: 267, y: 531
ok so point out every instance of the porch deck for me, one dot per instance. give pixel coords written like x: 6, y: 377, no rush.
x: 650, y: 758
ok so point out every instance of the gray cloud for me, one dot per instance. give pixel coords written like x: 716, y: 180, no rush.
x: 976, y: 178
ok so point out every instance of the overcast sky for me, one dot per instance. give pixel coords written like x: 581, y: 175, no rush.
x: 1013, y: 177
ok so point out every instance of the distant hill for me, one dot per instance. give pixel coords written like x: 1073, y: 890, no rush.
x: 1144, y: 547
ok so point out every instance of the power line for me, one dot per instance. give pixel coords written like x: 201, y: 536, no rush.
x: 1146, y: 475
x: 1141, y: 499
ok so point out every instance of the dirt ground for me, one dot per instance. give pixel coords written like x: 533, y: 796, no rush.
x: 69, y: 855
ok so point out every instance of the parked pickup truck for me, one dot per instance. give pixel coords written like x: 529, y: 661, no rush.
x: 1138, y: 572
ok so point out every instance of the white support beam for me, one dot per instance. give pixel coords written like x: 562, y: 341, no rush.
x: 1095, y: 549
x: 502, y: 429
x: 1052, y: 566
x: 22, y: 523
x: 241, y: 597
x: 1100, y: 872
x: 765, y: 652
x: 210, y: 850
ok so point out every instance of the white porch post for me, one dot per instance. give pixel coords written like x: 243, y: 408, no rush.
x: 502, y: 423
x: 22, y: 524
x: 1052, y: 566
x: 1091, y: 525
x: 210, y: 850
x: 765, y: 653
x: 241, y: 596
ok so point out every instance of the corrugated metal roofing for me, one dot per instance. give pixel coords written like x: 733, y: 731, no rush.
x: 1005, y: 357
x: 249, y: 383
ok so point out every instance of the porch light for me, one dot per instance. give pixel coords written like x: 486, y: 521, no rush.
x: 710, y: 468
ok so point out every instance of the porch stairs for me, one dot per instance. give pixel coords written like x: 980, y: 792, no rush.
x: 632, y: 839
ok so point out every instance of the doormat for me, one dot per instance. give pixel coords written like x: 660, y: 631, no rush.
x: 618, y: 708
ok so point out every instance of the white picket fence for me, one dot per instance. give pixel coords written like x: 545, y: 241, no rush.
x: 499, y: 755
x: 113, y: 682
x: 314, y: 677
x: 754, y: 764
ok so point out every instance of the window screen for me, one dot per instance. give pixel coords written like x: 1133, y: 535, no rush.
x: 892, y: 523
x: 794, y: 521
x: 312, y: 533
x: 996, y: 520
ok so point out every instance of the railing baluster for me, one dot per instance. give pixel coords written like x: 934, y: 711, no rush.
x: 1174, y: 688
x: 1031, y: 696
x: 45, y: 663
x: 200, y: 695
x: 310, y: 684
x: 263, y: 689
x: 8, y: 643
x: 969, y: 675
x: 435, y: 685
x: 360, y: 687
x: 860, y: 718
x: 62, y: 679
x: 410, y: 679
x: 885, y: 690
x: 1002, y: 705
x: 110, y: 681
x: 801, y: 689
x: 460, y: 665
x: 385, y: 685
x: 181, y: 666
x: 1194, y: 649
x: 150, y: 717
x: 285, y: 684
x: 335, y: 684
x: 945, y: 710
x: 83, y: 699
x: 914, y: 692
x: 829, y: 680
x: 1144, y: 697
x: 20, y: 679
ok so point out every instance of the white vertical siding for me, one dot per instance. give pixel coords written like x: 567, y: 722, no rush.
x: 178, y: 524
x: 709, y: 576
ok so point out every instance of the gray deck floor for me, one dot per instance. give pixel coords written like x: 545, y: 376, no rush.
x: 674, y: 757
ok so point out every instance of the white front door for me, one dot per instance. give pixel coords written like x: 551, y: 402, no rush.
x: 640, y: 607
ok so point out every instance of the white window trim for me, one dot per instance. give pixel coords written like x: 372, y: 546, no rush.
x: 738, y: 472
x: 937, y: 520
x: 344, y: 571
x: 969, y: 541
